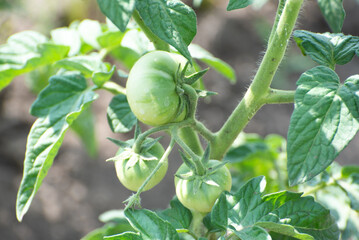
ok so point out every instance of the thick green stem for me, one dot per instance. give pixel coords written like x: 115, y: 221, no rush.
x: 256, y: 94
x: 279, y: 12
x: 276, y: 96
x: 205, y: 132
x: 157, y: 42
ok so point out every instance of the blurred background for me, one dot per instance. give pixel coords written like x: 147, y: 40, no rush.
x: 79, y: 187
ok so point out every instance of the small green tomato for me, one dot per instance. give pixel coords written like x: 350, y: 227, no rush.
x: 202, y: 198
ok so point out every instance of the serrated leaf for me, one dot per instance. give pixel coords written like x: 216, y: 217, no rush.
x: 179, y: 216
x: 89, y: 31
x: 26, y: 51
x: 172, y: 21
x: 327, y: 49
x: 90, y: 66
x: 57, y: 106
x: 118, y: 11
x: 333, y: 13
x: 84, y: 127
x: 324, y: 121
x: 238, y: 4
x: 124, y: 236
x: 286, y: 213
x: 108, y: 229
x: 150, y: 225
x: 119, y: 115
x: 67, y: 37
x: 217, y: 64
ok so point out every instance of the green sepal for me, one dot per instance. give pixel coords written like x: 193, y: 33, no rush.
x: 147, y: 145
x: 120, y: 143
x: 206, y: 154
x: 191, y: 79
x: 188, y: 162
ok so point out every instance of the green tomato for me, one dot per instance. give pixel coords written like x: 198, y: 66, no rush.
x: 151, y: 88
x: 200, y: 193
x: 132, y: 176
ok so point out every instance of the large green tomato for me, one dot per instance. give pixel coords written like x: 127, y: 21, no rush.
x: 151, y: 88
x: 201, y: 196
x: 133, y: 170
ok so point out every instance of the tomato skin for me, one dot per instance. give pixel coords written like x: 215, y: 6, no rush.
x: 151, y: 88
x: 134, y: 176
x: 203, y: 200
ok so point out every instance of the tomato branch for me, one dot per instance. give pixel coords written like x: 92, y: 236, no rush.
x: 258, y: 90
x: 276, y: 96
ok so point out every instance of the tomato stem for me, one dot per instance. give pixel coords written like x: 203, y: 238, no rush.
x: 157, y: 42
x: 258, y: 92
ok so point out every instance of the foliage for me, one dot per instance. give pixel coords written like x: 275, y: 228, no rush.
x: 324, y: 121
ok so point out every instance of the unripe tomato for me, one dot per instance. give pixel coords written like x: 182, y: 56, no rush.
x: 151, y: 88
x: 132, y: 177
x: 202, y: 198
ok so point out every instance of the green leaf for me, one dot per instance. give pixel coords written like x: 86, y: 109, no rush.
x: 107, y: 230
x: 26, y: 51
x: 84, y: 127
x: 219, y: 213
x: 57, y: 106
x: 89, y: 31
x: 333, y: 13
x: 118, y: 11
x: 324, y: 121
x: 172, y: 21
x: 150, y: 225
x: 124, y: 236
x: 327, y: 49
x: 90, y: 66
x: 237, y: 4
x: 119, y: 115
x: 253, y: 233
x: 286, y: 213
x: 246, y: 151
x: 217, y: 64
x: 349, y: 170
x: 110, y: 39
x: 179, y: 216
x: 67, y: 37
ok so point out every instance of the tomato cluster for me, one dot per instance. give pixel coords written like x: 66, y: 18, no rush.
x: 156, y: 98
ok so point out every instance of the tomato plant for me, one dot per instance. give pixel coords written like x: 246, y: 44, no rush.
x: 152, y: 41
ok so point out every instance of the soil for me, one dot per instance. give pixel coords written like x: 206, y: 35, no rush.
x: 78, y: 188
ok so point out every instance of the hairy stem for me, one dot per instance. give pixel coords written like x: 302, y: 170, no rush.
x: 276, y: 96
x: 259, y: 88
x: 157, y: 42
x: 197, y: 226
x: 191, y: 139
